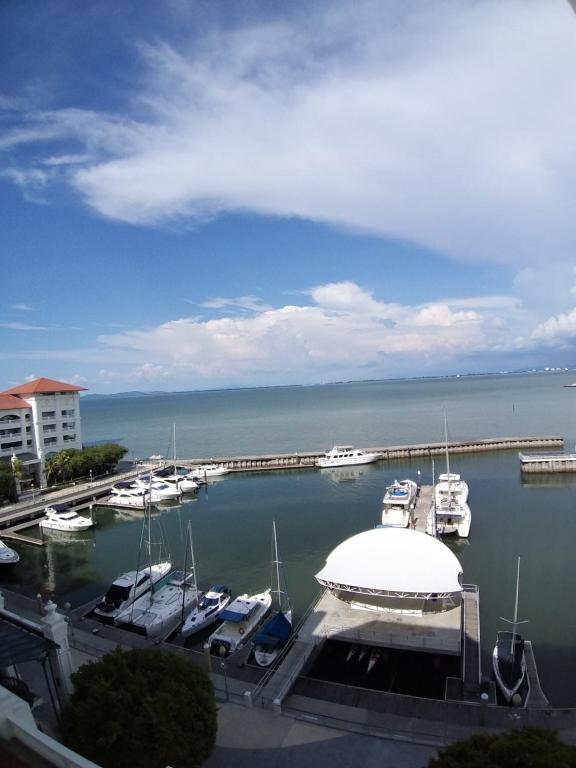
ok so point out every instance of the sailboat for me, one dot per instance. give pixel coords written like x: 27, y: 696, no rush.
x: 508, y: 658
x: 276, y: 631
x: 451, y: 511
x: 209, y: 606
x: 160, y: 610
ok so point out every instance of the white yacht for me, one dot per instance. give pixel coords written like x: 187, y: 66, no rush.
x: 127, y: 588
x: 123, y: 494
x: 346, y: 455
x: 204, y: 471
x: 161, y: 609
x: 158, y: 489
x: 208, y: 610
x: 398, y: 502
x: 184, y: 483
x: 8, y: 556
x: 449, y: 519
x: 59, y: 517
x: 240, y: 620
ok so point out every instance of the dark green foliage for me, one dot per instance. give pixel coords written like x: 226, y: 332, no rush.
x: 524, y: 748
x: 70, y: 463
x: 141, y: 709
x: 7, y: 483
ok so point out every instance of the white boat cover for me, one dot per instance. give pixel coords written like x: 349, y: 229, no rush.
x: 393, y: 560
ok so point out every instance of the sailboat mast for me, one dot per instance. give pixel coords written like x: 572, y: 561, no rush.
x: 515, y: 620
x: 449, y: 477
x: 149, y: 514
x: 434, y: 525
x: 276, y: 563
x: 174, y: 444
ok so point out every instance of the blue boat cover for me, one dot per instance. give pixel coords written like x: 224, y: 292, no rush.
x: 275, y: 631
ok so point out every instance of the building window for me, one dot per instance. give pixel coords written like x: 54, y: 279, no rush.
x: 10, y: 432
x: 10, y: 417
x: 69, y: 412
x: 6, y: 446
x: 68, y: 425
x: 50, y: 440
x: 29, y: 443
x: 48, y: 414
x: 69, y: 438
x: 49, y: 428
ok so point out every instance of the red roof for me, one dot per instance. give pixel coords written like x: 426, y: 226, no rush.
x: 11, y: 402
x: 42, y: 386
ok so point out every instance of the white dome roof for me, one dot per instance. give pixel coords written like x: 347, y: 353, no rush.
x: 393, y: 560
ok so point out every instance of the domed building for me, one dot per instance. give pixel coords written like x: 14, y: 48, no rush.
x: 394, y: 570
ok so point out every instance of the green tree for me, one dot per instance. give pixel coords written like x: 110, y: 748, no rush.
x: 533, y: 747
x: 142, y: 708
x: 7, y: 483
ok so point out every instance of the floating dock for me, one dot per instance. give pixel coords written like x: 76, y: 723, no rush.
x: 547, y: 462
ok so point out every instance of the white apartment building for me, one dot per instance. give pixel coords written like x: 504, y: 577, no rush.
x: 37, y: 419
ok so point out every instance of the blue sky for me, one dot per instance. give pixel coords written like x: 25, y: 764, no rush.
x: 221, y: 193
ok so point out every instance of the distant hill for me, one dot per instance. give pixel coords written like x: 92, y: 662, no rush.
x: 123, y: 394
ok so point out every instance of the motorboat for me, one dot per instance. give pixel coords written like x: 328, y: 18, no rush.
x: 160, y: 610
x: 398, y: 502
x: 127, y: 588
x: 240, y: 620
x: 346, y: 455
x: 158, y: 489
x: 207, y: 611
x: 273, y: 635
x: 184, y: 483
x: 60, y: 517
x: 508, y: 658
x: 204, y: 471
x: 8, y: 556
x: 123, y: 494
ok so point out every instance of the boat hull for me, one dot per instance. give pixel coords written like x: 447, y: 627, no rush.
x: 509, y: 669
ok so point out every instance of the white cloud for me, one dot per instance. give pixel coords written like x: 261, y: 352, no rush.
x: 247, y: 303
x: 429, y: 123
x: 557, y: 330
x: 22, y: 327
x: 343, y: 327
x: 22, y: 307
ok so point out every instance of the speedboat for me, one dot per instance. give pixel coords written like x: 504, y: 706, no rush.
x: 127, y: 588
x: 8, y: 556
x: 241, y: 619
x: 398, y: 502
x: 345, y: 455
x: 160, y: 610
x: 204, y: 471
x: 59, y: 517
x: 208, y: 610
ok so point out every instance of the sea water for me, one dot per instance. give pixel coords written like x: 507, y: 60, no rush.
x: 315, y: 510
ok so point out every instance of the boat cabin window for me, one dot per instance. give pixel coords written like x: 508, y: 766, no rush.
x: 143, y: 579
x: 117, y: 594
x: 207, y: 602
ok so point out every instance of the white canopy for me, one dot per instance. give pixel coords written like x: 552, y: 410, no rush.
x: 393, y: 560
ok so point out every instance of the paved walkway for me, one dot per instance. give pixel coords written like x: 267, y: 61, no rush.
x: 258, y: 738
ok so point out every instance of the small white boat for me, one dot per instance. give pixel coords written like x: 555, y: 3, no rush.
x: 208, y: 610
x: 450, y: 489
x: 127, y: 588
x: 59, y: 517
x: 398, y: 502
x: 346, y: 455
x: 241, y: 619
x: 8, y: 556
x: 508, y: 659
x: 160, y: 610
x: 204, y: 471
x: 449, y: 520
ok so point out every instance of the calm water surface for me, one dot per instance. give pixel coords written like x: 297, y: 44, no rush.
x: 315, y: 510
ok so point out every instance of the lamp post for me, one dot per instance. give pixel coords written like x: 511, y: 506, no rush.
x: 90, y: 473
